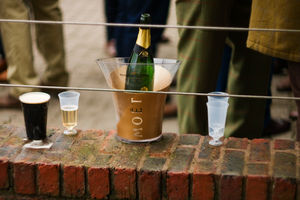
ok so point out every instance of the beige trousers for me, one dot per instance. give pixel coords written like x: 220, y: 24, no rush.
x: 17, y: 41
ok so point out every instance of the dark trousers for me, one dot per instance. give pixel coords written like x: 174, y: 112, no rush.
x: 129, y: 11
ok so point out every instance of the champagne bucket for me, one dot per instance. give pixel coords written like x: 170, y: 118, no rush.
x: 139, y: 115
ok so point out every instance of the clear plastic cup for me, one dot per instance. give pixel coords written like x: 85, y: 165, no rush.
x: 217, y: 98
x: 69, y: 101
x: 217, y: 112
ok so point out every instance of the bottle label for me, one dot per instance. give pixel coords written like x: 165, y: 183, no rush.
x: 142, y: 51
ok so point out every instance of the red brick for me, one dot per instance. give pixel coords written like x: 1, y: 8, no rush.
x: 181, y: 159
x: 233, y: 162
x: 98, y: 181
x: 284, y: 165
x: 284, y: 144
x: 208, y: 152
x: 124, y: 184
x: 73, y: 181
x: 163, y: 147
x: 24, y: 178
x: 257, y: 169
x: 284, y: 189
x: 203, y: 186
x: 48, y: 179
x: 149, y: 185
x: 177, y: 185
x: 189, y: 139
x: 4, y: 180
x: 237, y: 143
x: 231, y: 187
x: 260, y: 150
x: 256, y: 188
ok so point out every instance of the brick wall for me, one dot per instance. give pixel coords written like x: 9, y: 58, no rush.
x: 93, y: 165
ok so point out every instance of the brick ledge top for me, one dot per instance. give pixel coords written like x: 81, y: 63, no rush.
x: 188, y: 152
x: 173, y: 154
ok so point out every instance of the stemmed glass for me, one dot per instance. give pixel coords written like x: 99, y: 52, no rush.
x: 69, y: 108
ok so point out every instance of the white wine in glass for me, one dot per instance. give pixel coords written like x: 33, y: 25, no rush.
x: 69, y: 109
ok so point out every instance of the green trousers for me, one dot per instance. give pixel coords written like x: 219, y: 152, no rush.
x: 17, y: 41
x: 201, y: 54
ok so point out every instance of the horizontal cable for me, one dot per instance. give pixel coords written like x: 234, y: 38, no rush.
x: 216, y: 28
x: 150, y: 92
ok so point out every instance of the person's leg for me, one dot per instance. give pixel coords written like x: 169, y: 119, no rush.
x: 111, y: 10
x: 50, y: 41
x: 129, y: 11
x: 294, y: 74
x: 17, y: 46
x: 201, y: 55
x: 223, y: 74
x: 159, y: 15
x: 248, y: 75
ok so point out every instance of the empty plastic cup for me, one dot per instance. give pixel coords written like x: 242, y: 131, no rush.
x: 217, y: 112
x: 217, y: 98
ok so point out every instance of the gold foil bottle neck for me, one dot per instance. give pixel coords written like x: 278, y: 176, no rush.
x: 144, y: 38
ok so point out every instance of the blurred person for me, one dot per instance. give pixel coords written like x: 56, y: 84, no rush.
x: 17, y: 43
x: 272, y: 125
x: 111, y: 12
x: 201, y: 54
x: 279, y: 14
x: 3, y: 65
x: 129, y: 11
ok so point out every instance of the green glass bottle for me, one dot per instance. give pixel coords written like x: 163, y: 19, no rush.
x: 140, y: 71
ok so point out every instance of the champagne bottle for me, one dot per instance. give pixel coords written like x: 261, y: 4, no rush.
x: 140, y: 70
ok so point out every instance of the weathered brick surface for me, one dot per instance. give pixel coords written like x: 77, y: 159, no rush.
x: 124, y: 183
x: 284, y: 189
x: 4, y: 177
x: 95, y: 165
x: 209, y: 152
x: 190, y: 139
x: 98, y: 182
x: 284, y: 165
x: 231, y: 187
x: 149, y: 185
x: 280, y: 144
x: 181, y: 159
x: 233, y: 162
x: 48, y: 179
x: 177, y: 185
x: 24, y: 178
x: 237, y: 143
x: 260, y: 150
x: 203, y: 186
x: 257, y: 187
x: 257, y: 169
x: 162, y: 148
x: 73, y: 181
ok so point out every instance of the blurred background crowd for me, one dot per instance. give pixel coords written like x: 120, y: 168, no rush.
x: 211, y: 60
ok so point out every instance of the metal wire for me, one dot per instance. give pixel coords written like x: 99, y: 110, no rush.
x: 152, y: 26
x: 150, y: 92
x: 216, y: 28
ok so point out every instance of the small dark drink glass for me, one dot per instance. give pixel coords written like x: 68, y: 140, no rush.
x: 35, y: 109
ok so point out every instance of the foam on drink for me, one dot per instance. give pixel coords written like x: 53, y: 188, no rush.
x: 34, y: 98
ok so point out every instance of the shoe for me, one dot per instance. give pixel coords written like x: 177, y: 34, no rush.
x: 293, y: 115
x: 3, y: 77
x: 52, y: 92
x: 9, y: 101
x: 276, y: 126
x: 170, y: 110
x: 3, y: 65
